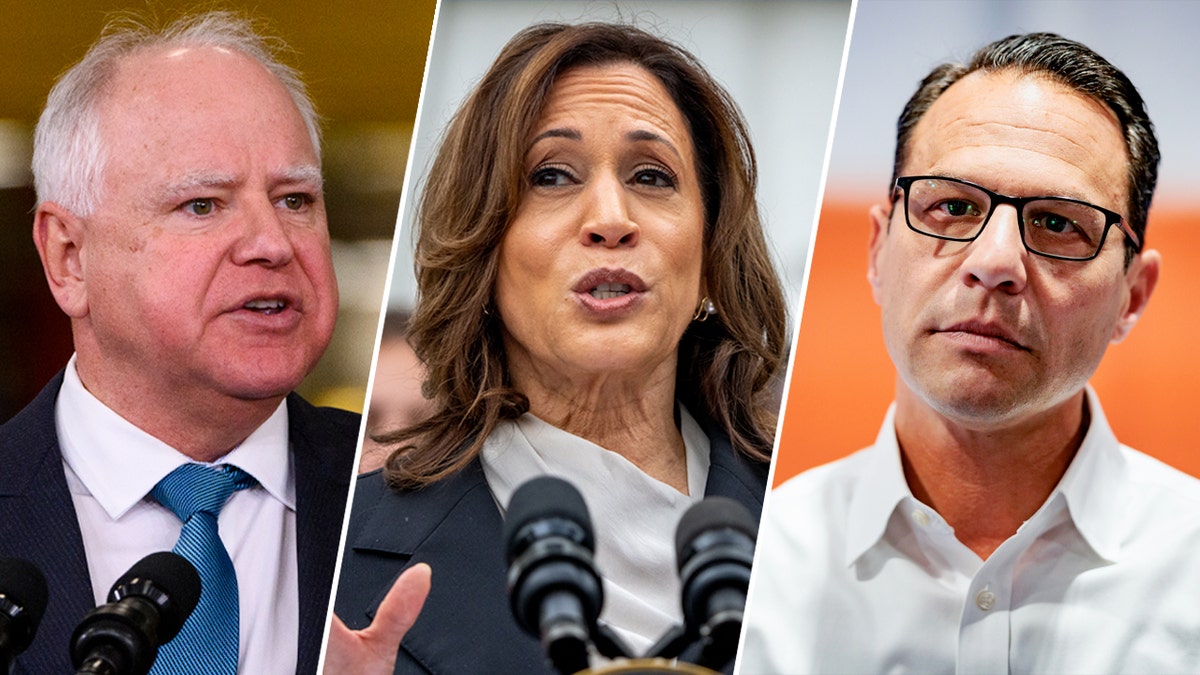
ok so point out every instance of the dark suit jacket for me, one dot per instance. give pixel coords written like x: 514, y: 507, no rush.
x: 466, y: 627
x: 38, y: 523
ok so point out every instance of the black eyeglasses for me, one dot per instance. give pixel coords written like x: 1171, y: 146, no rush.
x: 1054, y: 227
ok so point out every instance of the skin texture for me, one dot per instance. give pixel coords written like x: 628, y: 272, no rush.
x: 993, y: 345
x: 211, y: 199
x: 613, y: 190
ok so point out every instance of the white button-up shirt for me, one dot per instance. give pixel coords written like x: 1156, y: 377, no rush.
x: 854, y: 575
x: 111, y: 466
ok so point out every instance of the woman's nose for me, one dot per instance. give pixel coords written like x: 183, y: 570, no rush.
x: 606, y: 220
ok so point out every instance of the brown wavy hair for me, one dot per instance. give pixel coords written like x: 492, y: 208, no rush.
x: 472, y: 192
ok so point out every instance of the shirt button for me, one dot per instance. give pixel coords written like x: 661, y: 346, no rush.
x: 920, y: 517
x: 985, y: 600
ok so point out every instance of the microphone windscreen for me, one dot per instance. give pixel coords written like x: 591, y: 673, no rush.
x: 24, y: 586
x: 172, y: 574
x: 711, y: 513
x: 545, y: 497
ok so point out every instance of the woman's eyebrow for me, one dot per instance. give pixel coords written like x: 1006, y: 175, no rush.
x: 645, y: 135
x: 558, y: 132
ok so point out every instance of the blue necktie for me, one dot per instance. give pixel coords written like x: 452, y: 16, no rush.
x: 208, y: 642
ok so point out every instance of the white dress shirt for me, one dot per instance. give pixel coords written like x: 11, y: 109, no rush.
x: 633, y: 515
x: 111, y: 466
x: 854, y: 575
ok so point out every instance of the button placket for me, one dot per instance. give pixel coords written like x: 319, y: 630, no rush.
x: 985, y: 599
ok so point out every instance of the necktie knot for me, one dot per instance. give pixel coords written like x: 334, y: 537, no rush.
x: 208, y: 642
x: 194, y: 488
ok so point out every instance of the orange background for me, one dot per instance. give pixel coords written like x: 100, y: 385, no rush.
x: 842, y: 380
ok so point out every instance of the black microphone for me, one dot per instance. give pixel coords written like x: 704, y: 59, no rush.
x: 22, y: 603
x: 146, y: 608
x: 714, y: 548
x: 553, y: 588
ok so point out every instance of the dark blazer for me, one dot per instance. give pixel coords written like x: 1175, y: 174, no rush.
x: 466, y: 627
x: 38, y: 523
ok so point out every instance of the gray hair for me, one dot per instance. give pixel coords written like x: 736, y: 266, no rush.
x: 69, y: 155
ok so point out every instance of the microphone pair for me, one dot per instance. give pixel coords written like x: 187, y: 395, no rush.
x: 556, y: 594
x: 146, y: 608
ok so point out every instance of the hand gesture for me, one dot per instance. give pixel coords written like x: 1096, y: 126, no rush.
x: 373, y: 649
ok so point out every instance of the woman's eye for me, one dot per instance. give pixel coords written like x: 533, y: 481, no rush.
x: 654, y: 178
x: 550, y: 176
x: 199, y: 207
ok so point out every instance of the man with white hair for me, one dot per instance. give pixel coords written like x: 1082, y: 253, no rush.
x: 181, y: 226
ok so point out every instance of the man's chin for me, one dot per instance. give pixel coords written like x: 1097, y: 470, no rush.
x: 263, y: 385
x: 983, y: 395
x: 978, y: 401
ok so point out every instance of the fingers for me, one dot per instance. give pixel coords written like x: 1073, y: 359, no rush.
x: 400, y: 607
x: 373, y: 649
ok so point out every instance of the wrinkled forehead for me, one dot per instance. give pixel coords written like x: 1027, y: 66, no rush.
x: 619, y: 86
x: 171, y: 88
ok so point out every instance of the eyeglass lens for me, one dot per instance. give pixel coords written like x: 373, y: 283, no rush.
x: 952, y: 210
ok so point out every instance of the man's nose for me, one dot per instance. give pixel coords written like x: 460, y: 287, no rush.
x: 264, y: 238
x: 996, y: 259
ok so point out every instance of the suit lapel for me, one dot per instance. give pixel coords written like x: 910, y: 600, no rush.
x: 733, y: 475
x: 38, y: 523
x: 323, y: 445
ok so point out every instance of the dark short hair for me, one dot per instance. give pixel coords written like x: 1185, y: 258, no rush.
x: 1078, y: 68
x: 470, y: 197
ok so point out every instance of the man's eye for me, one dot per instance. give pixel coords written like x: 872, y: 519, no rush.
x: 1054, y: 223
x: 959, y: 208
x: 199, y: 207
x: 296, y: 202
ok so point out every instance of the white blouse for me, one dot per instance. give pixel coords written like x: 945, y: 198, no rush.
x: 633, y: 515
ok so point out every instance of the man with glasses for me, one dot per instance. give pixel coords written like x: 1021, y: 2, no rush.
x: 996, y: 525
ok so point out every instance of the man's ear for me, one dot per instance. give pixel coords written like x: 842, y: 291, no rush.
x: 1141, y: 278
x: 879, y: 230
x: 58, y: 235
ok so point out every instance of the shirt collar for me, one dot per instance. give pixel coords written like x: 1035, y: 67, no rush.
x: 1095, y: 483
x: 880, y: 487
x: 119, y: 463
x: 1093, y: 487
x: 526, y: 447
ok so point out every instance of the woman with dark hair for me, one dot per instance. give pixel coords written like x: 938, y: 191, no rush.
x: 597, y: 302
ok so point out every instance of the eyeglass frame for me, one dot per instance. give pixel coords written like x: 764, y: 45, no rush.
x: 1111, y: 217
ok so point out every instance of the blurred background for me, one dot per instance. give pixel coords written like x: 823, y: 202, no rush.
x: 842, y: 380
x: 779, y: 60
x: 363, y: 63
